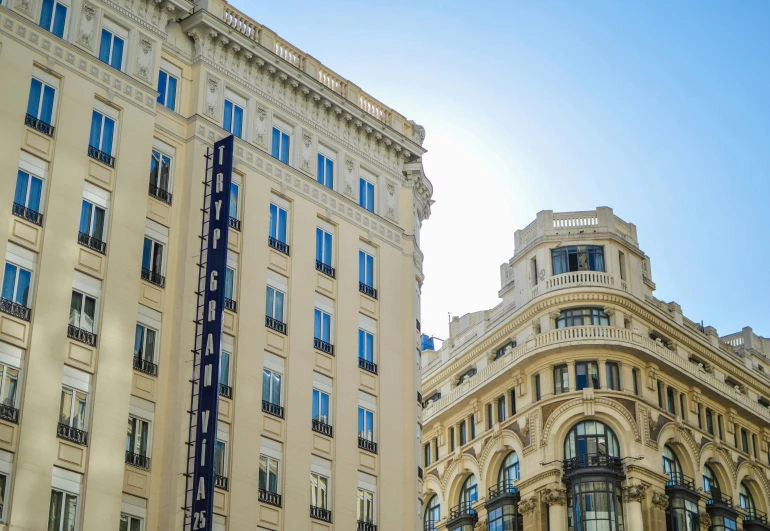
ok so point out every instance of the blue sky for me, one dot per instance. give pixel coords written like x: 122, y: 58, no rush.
x: 658, y: 109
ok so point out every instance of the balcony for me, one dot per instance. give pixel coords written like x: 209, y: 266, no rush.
x: 503, y: 488
x: 101, y: 156
x: 234, y: 223
x: 464, y: 510
x: 323, y: 346
x: 366, y: 526
x: 145, y: 366
x: 677, y: 479
x: 278, y: 245
x: 9, y: 413
x: 718, y: 498
x: 160, y: 194
x: 275, y: 324
x: 272, y: 409
x: 221, y: 482
x: 231, y: 305
x: 367, y: 365
x: 138, y: 461
x: 38, y: 125
x: 319, y: 513
x: 322, y: 428
x: 68, y: 433
x: 368, y: 290
x: 84, y: 336
x: 270, y: 498
x: 92, y: 243
x: 419, y: 398
x: 324, y: 268
x: 225, y: 391
x: 366, y: 444
x: 154, y: 278
x: 20, y: 211
x: 592, y: 463
x: 14, y: 308
x: 755, y: 520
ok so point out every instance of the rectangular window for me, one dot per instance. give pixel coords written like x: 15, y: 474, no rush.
x: 709, y: 421
x: 613, y: 376
x: 160, y: 176
x: 152, y: 259
x: 323, y: 246
x: 745, y: 440
x: 366, y: 194
x: 145, y: 343
x: 682, y: 410
x: 278, y: 217
x: 40, y: 102
x: 670, y: 400
x: 274, y: 308
x: 9, y: 385
x: 660, y: 394
x: 560, y: 379
x: 577, y: 258
x: 537, y: 387
x: 365, y: 269
x: 700, y: 419
x: 586, y: 374
x: 490, y: 420
x: 220, y: 458
x: 322, y: 326
x: 325, y: 172
x: 365, y: 345
x: 513, y: 402
x: 435, y: 449
x: 501, y: 409
x: 167, y: 88
x: 365, y: 509
x: 233, y: 119
x: 533, y: 270
x: 463, y: 434
x: 635, y: 376
x: 754, y: 446
x: 92, y: 218
x: 130, y: 523
x: 53, y: 17
x: 138, y: 436
x: 72, y: 411
x: 472, y: 424
x: 102, y: 132
x: 319, y: 491
x: 426, y: 455
x: 268, y: 474
x: 28, y: 194
x: 62, y: 513
x: 280, y: 145
x: 82, y: 311
x: 16, y: 285
x: 111, y: 48
x: 719, y: 425
x: 320, y: 406
x: 271, y: 387
x: 365, y: 424
x: 622, y: 262
x: 451, y: 439
x: 234, y: 194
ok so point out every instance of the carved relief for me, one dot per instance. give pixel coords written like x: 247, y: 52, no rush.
x: 144, y: 57
x: 391, y: 201
x: 25, y: 6
x: 526, y: 507
x: 349, y: 177
x: 660, y: 500
x: 87, y: 26
x: 260, y: 127
x: 554, y: 496
x: 634, y: 493
x: 211, y: 99
x: 306, y: 152
x: 705, y: 520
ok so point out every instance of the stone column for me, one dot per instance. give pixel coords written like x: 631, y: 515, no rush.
x: 633, y: 495
x: 556, y: 499
x: 527, y: 509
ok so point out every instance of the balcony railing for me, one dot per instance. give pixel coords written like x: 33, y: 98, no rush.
x: 367, y: 365
x: 275, y: 324
x: 278, y: 245
x: 503, y: 487
x: 718, y: 498
x: 14, y: 308
x: 38, y: 125
x: 231, y: 305
x: 235, y: 223
x: 9, y: 413
x: 323, y: 346
x: 68, y: 433
x: 154, y: 278
x: 225, y: 390
x: 463, y: 509
x: 366, y: 526
x: 20, y: 211
x: 366, y: 289
x: 326, y: 269
x: 145, y: 366
x: 160, y: 194
x: 366, y: 444
x: 92, y: 243
x: 430, y: 525
x: 320, y: 513
x: 322, y: 428
x: 754, y: 515
x: 270, y: 498
x: 101, y: 156
x: 84, y: 336
x: 139, y: 461
x: 592, y: 461
x: 272, y: 409
x: 221, y: 482
x: 677, y: 479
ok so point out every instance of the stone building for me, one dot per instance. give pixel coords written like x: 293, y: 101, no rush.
x: 583, y: 403
x: 108, y: 109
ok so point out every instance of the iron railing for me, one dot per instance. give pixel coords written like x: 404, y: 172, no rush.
x: 323, y: 346
x: 754, y: 515
x: 145, y: 366
x: 92, y: 243
x: 430, y: 525
x: 20, y: 211
x: 278, y: 245
x: 592, y: 461
x: 275, y: 324
x: 366, y: 289
x: 366, y: 444
x: 363, y: 525
x: 270, y: 498
x: 677, y: 479
x: 154, y: 278
x: 367, y: 365
x: 68, y: 433
x: 137, y: 460
x: 326, y: 269
x: 463, y: 509
x: 9, y: 413
x: 231, y: 305
x: 323, y: 428
x: 15, y: 309
x: 160, y: 194
x: 225, y: 390
x: 718, y: 498
x: 234, y: 223
x: 84, y: 336
x: 221, y: 482
x: 320, y: 513
x: 101, y: 156
x: 503, y: 487
x: 38, y: 125
x: 272, y: 409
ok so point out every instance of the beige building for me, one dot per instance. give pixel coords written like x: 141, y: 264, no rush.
x: 581, y: 402
x: 108, y: 110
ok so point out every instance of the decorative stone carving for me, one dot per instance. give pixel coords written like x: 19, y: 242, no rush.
x: 25, y: 6
x: 526, y: 507
x: 211, y: 98
x: 634, y: 493
x: 660, y: 500
x: 349, y: 177
x: 705, y: 520
x: 306, y: 152
x: 481, y: 525
x: 390, y: 201
x: 260, y: 127
x: 87, y: 26
x: 554, y: 496
x: 144, y: 59
x: 418, y: 133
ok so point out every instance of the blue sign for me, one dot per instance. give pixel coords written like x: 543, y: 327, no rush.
x: 218, y: 212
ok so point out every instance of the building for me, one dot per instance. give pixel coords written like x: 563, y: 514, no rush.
x: 108, y: 111
x: 582, y: 402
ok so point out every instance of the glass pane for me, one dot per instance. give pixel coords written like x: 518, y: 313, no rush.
x: 229, y: 274
x: 263, y: 472
x: 324, y: 408
x: 54, y: 511
x: 171, y: 94
x: 369, y: 347
x: 20, y: 195
x: 66, y: 407
x: 165, y: 173
x: 285, y: 148
x: 281, y: 225
x: 238, y: 122
x: 75, y: 308
x: 276, y: 389
x: 219, y: 458
x: 273, y: 220
x: 157, y: 262
x: 131, y: 435
x: 273, y: 475
x: 266, y: 385
x: 9, y: 281
x: 227, y: 124
x: 162, y: 79
x: 276, y: 147
x: 314, y: 490
x: 104, y: 46
x: 46, y: 16
x: 234, y: 201
x: 35, y: 89
x: 96, y: 129
x: 317, y: 324
x: 326, y: 327
x: 35, y: 192
x: 60, y: 16
x: 89, y: 313
x: 318, y: 244
x: 98, y: 228
x: 143, y: 437
x: 361, y: 192
x: 327, y: 258
x: 22, y: 288
x: 146, y: 253
x: 107, y: 135
x: 320, y: 168
x: 361, y: 266
x: 316, y: 404
x: 329, y: 173
x: 139, y: 341
x: 149, y: 353
x: 117, y: 53
x: 9, y: 389
x: 85, y: 217
x: 224, y: 368
x: 79, y: 413
x: 278, y: 306
x: 136, y: 524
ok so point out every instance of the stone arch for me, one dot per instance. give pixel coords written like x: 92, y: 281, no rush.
x: 427, y: 497
x: 685, y: 448
x: 601, y: 405
x: 711, y: 456
x: 495, y: 451
x: 432, y: 486
x: 455, y: 475
x: 757, y: 485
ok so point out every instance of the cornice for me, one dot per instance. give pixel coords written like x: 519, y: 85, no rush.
x: 152, y: 16
x: 562, y: 238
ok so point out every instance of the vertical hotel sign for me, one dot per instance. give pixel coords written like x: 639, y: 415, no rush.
x: 211, y: 337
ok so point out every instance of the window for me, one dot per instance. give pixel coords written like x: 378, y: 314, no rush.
x: 325, y: 171
x: 622, y: 262
x: 82, y: 311
x: 40, y: 106
x: 682, y: 409
x: 463, y: 433
x: 323, y: 252
x: 26, y: 199
x: 501, y: 409
x: 274, y: 309
x: 234, y: 194
x: 577, y: 258
x: 432, y: 513
x: 671, y: 466
x: 137, y: 437
x: 582, y: 317
x: 745, y: 440
x: 277, y: 232
x: 233, y: 119
x: 719, y: 425
x: 9, y: 384
x: 271, y: 387
x: 320, y: 406
x: 426, y: 455
x: 635, y: 375
x: 613, y: 376
x: 670, y: 402
x: 452, y: 439
x: 102, y: 134
x: 589, y: 443
x: 365, y: 345
x: 490, y: 420
x: 220, y: 458
x: 472, y: 423
x: 586, y: 375
x: 268, y: 474
x: 280, y: 145
x: 152, y: 262
x: 92, y: 219
x: 229, y: 287
x: 560, y: 379
x: 167, y: 88
x: 709, y: 421
x: 366, y: 194
x: 754, y: 445
x: 365, y: 269
x: 16, y: 285
x: 537, y: 387
x: 365, y: 512
x: 747, y: 500
x: 130, y: 523
x: 62, y: 514
x: 224, y: 374
x: 684, y: 513
x: 513, y: 402
x: 660, y: 394
x: 709, y: 479
x: 533, y: 270
x: 160, y: 176
x: 53, y: 17
x: 145, y: 343
x: 365, y: 424
x: 72, y: 412
x: 322, y: 326
x: 111, y: 48
x: 319, y: 491
x: 595, y: 505
x: 467, y: 375
x: 469, y: 493
x: 510, y: 471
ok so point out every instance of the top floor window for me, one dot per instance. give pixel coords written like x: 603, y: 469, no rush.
x: 577, y: 258
x: 233, y: 119
x: 325, y: 174
x: 366, y: 194
x: 53, y: 17
x: 111, y: 47
x: 280, y: 148
x: 582, y: 317
x: 167, y: 88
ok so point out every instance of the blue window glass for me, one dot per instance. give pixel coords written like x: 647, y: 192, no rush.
x: 234, y: 191
x: 280, y: 149
x: 111, y: 49
x: 277, y: 223
x: 28, y: 191
x: 167, y: 89
x: 365, y: 345
x: 53, y: 17
x: 366, y: 268
x: 224, y: 368
x: 229, y: 281
x: 320, y: 406
x: 366, y: 194
x: 323, y: 246
x: 325, y: 172
x: 92, y: 220
x: 16, y: 281
x: 322, y: 326
x: 233, y: 119
x: 365, y: 424
x: 102, y: 132
x: 274, y: 304
x: 40, y: 103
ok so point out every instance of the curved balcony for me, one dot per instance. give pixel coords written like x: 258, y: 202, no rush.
x: 593, y: 464
x: 462, y: 515
x: 576, y: 279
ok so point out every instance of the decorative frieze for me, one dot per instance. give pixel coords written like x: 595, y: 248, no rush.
x: 553, y: 496
x: 634, y: 493
x: 528, y: 506
x: 659, y: 500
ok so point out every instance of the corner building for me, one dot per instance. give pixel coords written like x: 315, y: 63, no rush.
x: 581, y: 402
x: 108, y: 111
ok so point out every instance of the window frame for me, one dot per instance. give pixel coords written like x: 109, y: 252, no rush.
x: 159, y: 161
x: 363, y: 414
x: 163, y: 95
x: 591, y: 253
x: 560, y: 376
x: 317, y: 416
x: 113, y: 142
x: 277, y: 150
x: 272, y: 313
x: 268, y: 459
x: 224, y: 467
x: 67, y: 6
x: 232, y: 115
x: 154, y: 244
x: 95, y: 320
x: 137, y: 442
x: 366, y: 259
x: 278, y: 211
x: 65, y: 494
x: 73, y: 393
x: 372, y: 353
x: 28, y: 192
x: 116, y: 31
x: 368, y: 510
x: 568, y: 317
x: 365, y: 187
x: 272, y: 376
x: 27, y: 302
x: 612, y: 370
x: 49, y: 83
x: 156, y: 342
x: 321, y: 239
x: 318, y: 319
x: 326, y: 498
x: 128, y: 518
x: 4, y: 378
x: 587, y: 364
x: 323, y: 161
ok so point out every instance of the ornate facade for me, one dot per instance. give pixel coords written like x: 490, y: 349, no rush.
x: 582, y: 402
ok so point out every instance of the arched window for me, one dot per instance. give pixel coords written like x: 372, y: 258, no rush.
x: 432, y: 513
x: 671, y: 466
x: 591, y: 443
x: 577, y: 258
x: 747, y: 501
x: 509, y: 472
x: 582, y: 317
x: 470, y: 492
x: 709, y: 480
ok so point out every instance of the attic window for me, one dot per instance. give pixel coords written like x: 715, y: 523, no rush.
x: 499, y: 353
x: 432, y: 398
x: 655, y: 336
x: 466, y: 375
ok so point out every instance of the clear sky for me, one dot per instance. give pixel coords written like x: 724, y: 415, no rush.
x: 658, y: 109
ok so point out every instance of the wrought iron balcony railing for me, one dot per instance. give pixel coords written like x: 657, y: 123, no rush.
x: 463, y: 509
x: 231, y: 305
x: 235, y: 223
x: 160, y: 194
x: 270, y: 498
x: 322, y: 428
x: 320, y: 513
x: 430, y: 525
x: 366, y: 444
x: 225, y: 390
x: 15, y: 309
x: 278, y: 245
x: 20, y: 211
x: 323, y: 346
x: 367, y: 365
x: 503, y: 487
x: 592, y: 461
x: 68, y: 433
x: 363, y: 525
x: 145, y: 366
x: 719, y: 498
x: 326, y: 269
x: 677, y: 479
x: 275, y: 324
x: 101, y: 156
x: 221, y: 482
x: 92, y: 243
x: 38, y: 125
x: 272, y: 409
x: 154, y: 278
x: 84, y: 336
x: 137, y: 460
x: 9, y: 413
x: 754, y: 515
x: 366, y: 289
